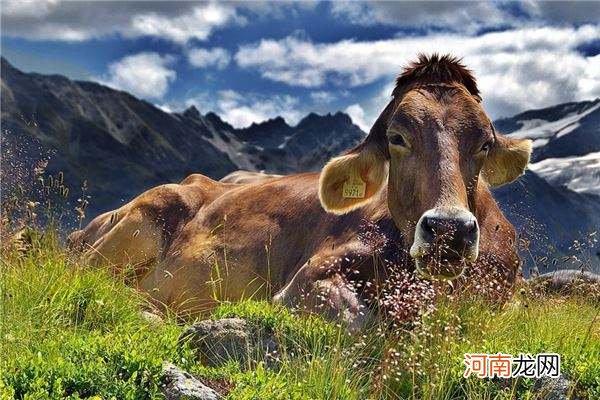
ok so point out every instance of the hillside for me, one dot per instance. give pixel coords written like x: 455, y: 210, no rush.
x: 122, y: 145
x: 556, y: 205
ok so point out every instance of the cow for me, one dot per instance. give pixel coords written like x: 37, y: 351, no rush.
x: 414, y: 195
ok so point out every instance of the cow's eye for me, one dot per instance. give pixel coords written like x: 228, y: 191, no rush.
x: 486, y: 146
x: 397, y: 140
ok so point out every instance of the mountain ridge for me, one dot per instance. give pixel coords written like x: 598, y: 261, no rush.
x: 123, y: 145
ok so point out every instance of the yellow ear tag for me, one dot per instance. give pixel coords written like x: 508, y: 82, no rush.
x: 354, y: 188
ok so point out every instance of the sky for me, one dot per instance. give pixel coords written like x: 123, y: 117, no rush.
x: 251, y: 61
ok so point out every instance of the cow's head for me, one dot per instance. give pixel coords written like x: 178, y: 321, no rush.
x: 433, y: 145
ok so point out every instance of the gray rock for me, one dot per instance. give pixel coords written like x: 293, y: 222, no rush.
x: 179, y: 384
x: 217, y: 342
x: 152, y: 318
x: 553, y: 388
x: 559, y: 279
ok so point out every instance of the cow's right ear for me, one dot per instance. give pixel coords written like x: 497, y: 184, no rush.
x: 352, y: 180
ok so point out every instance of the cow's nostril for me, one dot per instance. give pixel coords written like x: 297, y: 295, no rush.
x: 471, y: 227
x: 428, y: 226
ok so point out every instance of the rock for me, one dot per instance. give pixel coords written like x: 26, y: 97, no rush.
x: 153, y: 319
x: 179, y: 384
x: 558, y: 280
x: 552, y: 388
x: 217, y: 342
x: 568, y: 282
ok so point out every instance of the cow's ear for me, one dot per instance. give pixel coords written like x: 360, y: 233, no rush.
x: 507, y: 160
x: 352, y: 180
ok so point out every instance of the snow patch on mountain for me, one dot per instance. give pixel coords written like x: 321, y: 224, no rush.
x: 542, y: 131
x: 580, y: 174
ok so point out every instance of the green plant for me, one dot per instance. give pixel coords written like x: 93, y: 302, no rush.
x: 71, y: 331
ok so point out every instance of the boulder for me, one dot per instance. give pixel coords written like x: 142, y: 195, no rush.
x: 553, y: 388
x: 179, y: 384
x: 219, y: 341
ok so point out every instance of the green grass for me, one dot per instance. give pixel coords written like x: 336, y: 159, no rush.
x: 67, y: 330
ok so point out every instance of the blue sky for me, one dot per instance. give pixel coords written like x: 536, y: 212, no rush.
x: 250, y: 61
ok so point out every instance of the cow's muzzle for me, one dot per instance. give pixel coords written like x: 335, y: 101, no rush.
x: 446, y: 240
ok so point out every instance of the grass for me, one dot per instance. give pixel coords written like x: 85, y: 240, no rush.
x: 67, y: 330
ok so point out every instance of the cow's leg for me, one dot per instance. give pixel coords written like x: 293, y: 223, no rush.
x: 331, y: 294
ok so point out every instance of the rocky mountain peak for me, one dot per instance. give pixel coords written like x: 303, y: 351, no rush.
x: 339, y: 119
x: 192, y: 113
x: 217, y: 122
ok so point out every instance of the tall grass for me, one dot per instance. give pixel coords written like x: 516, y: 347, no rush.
x: 67, y: 330
x: 70, y: 331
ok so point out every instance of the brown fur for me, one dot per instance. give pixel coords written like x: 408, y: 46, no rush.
x: 212, y: 240
x: 247, y: 177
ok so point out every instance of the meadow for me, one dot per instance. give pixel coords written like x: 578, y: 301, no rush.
x: 71, y: 331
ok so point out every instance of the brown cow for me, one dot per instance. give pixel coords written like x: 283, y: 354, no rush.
x: 413, y: 196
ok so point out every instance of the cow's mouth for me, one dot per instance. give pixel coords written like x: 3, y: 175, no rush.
x: 434, y: 268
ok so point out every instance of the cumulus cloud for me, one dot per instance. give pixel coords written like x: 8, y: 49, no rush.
x: 198, y: 24
x: 146, y: 75
x: 27, y: 8
x: 77, y: 21
x: 356, y: 112
x: 216, y: 57
x: 561, y: 12
x: 465, y: 16
x: 517, y: 69
x: 448, y: 15
x: 241, y: 110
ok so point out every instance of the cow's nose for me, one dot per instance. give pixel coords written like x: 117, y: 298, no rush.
x: 444, y: 237
x: 457, y: 234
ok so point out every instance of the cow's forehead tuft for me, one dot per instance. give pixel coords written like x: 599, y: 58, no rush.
x: 434, y: 69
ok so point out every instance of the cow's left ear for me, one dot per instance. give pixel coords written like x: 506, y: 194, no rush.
x: 352, y: 180
x: 507, y: 160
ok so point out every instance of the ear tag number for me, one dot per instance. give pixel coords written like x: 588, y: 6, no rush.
x: 354, y: 188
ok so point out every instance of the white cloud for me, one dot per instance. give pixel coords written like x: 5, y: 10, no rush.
x: 365, y: 114
x: 241, y: 110
x: 145, y: 75
x: 356, y: 112
x: 562, y: 12
x: 198, y: 24
x: 465, y: 16
x: 202, y: 58
x: 179, y: 22
x: 516, y: 69
x: 450, y: 15
x: 29, y: 8
x: 322, y: 97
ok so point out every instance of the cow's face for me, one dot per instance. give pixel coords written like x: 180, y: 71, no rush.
x: 433, y: 146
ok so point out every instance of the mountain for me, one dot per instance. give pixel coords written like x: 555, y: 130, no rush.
x: 566, y: 140
x: 552, y: 223
x: 120, y: 145
x: 556, y: 205
x: 123, y: 145
x: 276, y: 147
